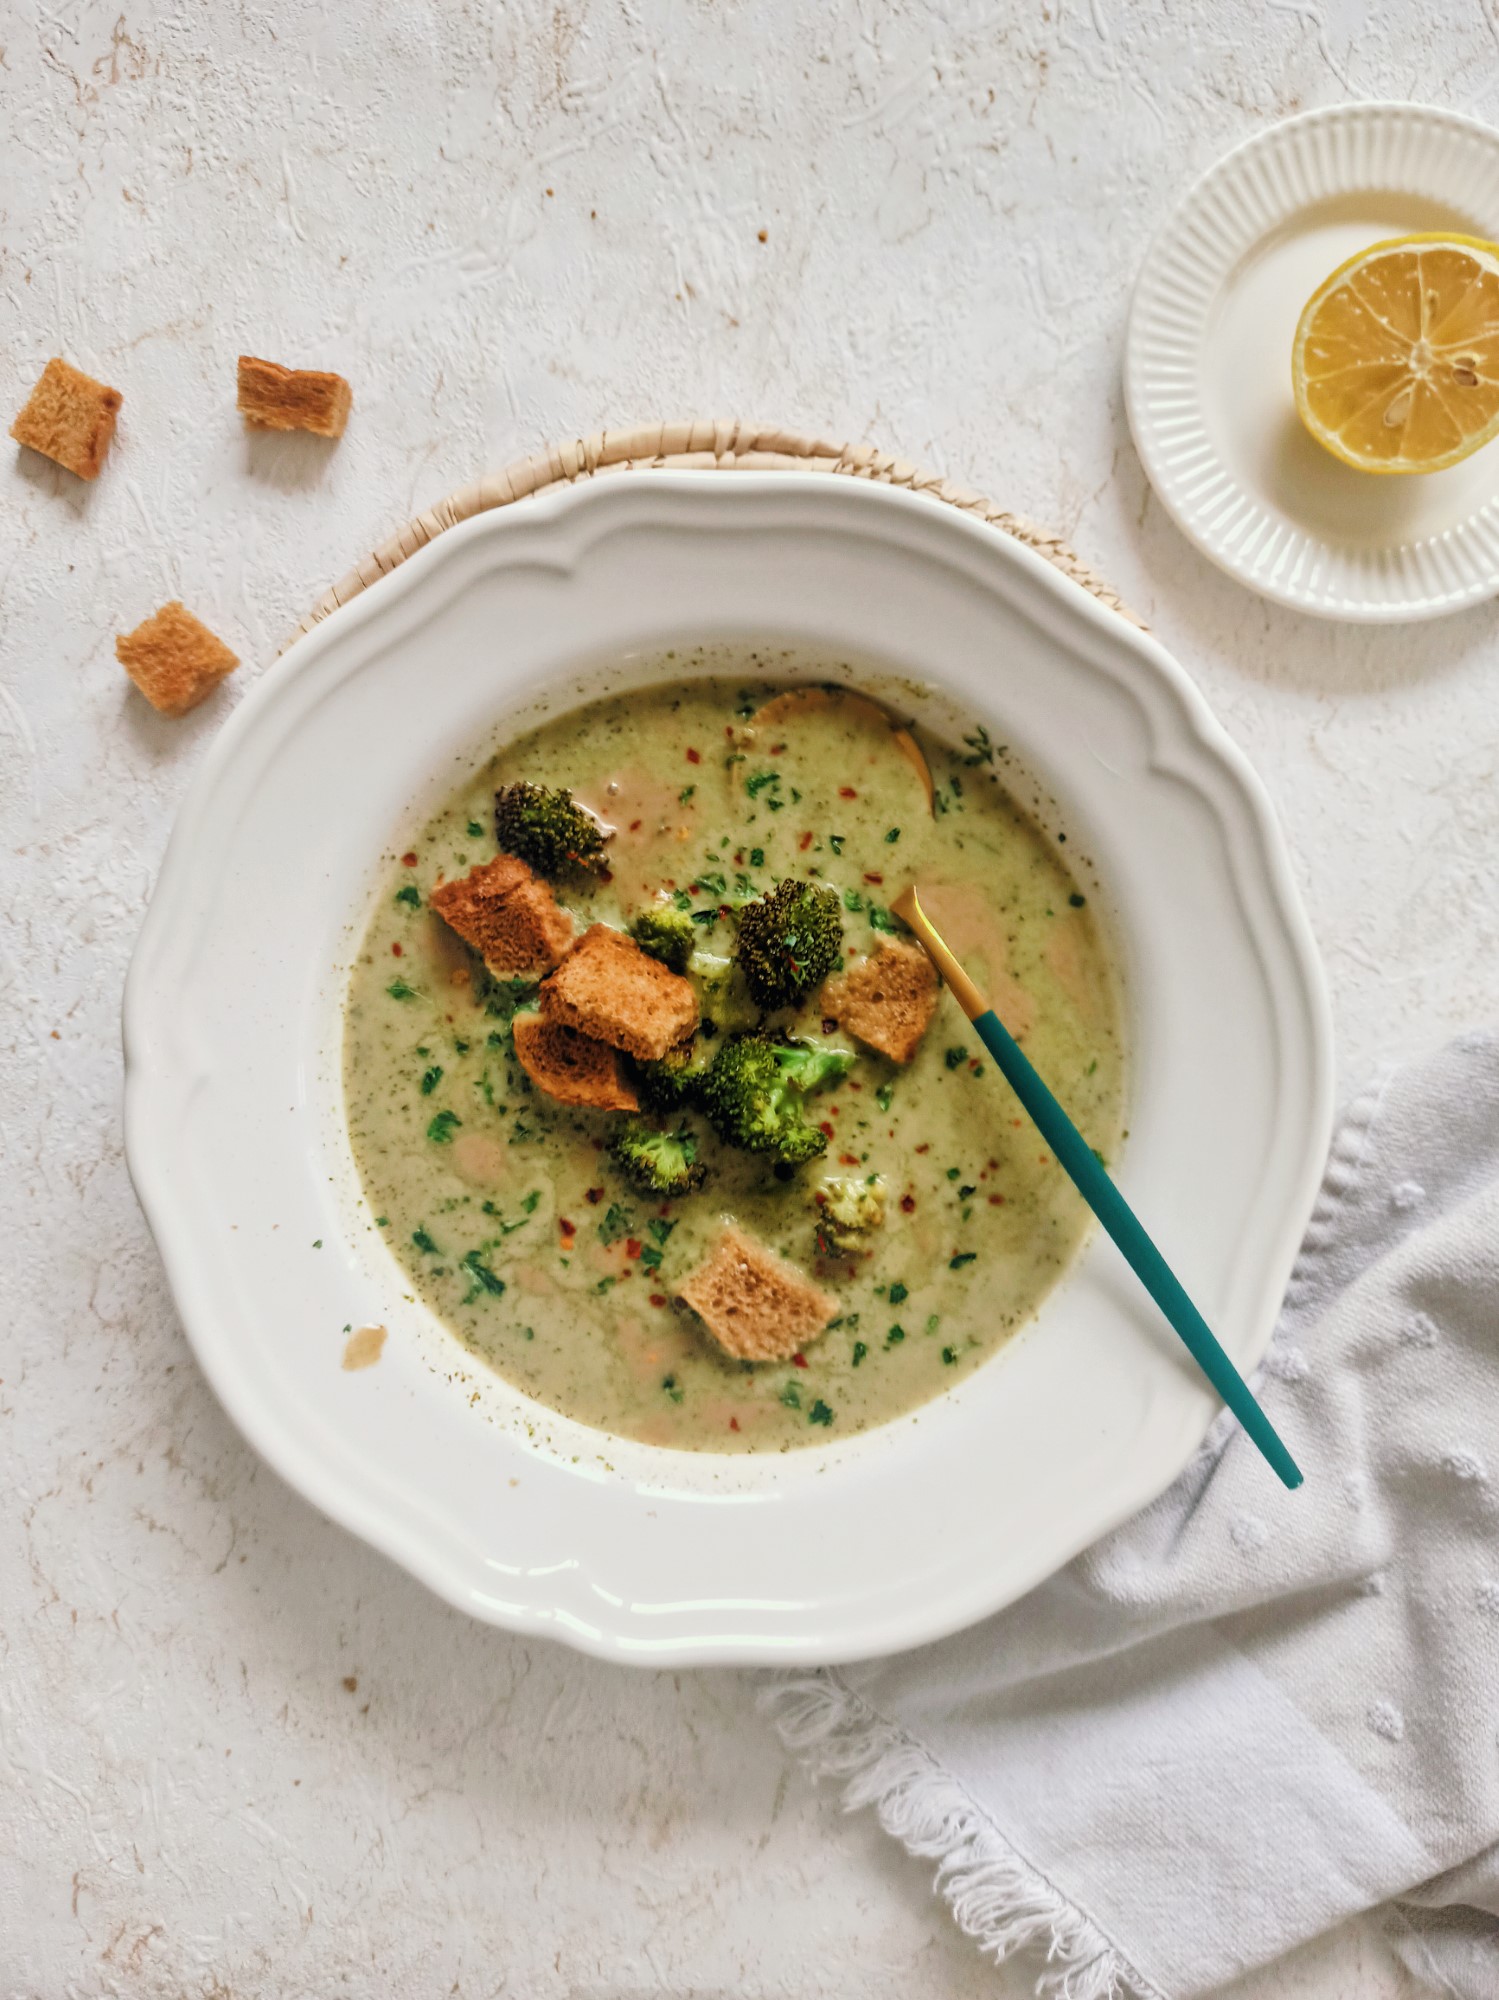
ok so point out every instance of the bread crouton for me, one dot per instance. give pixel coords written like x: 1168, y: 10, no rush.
x: 69, y: 417
x: 273, y: 398
x: 510, y: 918
x: 174, y: 659
x: 888, y: 1001
x: 609, y: 988
x: 570, y: 1067
x: 756, y: 1305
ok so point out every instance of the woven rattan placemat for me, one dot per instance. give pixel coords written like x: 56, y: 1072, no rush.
x: 696, y: 446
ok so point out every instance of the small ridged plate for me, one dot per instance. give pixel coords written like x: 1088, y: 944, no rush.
x: 1208, y: 366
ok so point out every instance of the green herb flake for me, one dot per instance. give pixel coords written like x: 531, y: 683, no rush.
x: 852, y: 900
x: 895, y: 1336
x: 860, y: 1350
x: 685, y: 794
x: 399, y: 990
x: 836, y: 840
x: 681, y: 900
x: 650, y: 1257
x: 760, y: 781
x: 884, y: 1097
x: 1076, y: 900
x: 410, y: 895
x: 424, y: 1242
x: 892, y: 836
x: 484, y: 1279
x: 963, y: 1257
x: 981, y: 749
x: 669, y: 1384
x: 440, y: 1131
x: 529, y: 1204
x: 881, y: 920
x: 475, y: 830
x: 819, y: 1413
x: 605, y: 1285
x: 966, y: 1190
x: 791, y: 1396
x: 949, y: 1355
x: 617, y: 1222
x: 660, y: 1228
x: 757, y: 857
x: 317, y: 1242
x: 431, y: 1078
x: 898, y: 1293
x: 382, y: 1222
x: 955, y: 1057
x: 931, y: 1322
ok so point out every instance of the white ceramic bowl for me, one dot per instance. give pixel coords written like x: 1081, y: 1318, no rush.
x: 1208, y: 365
x: 233, y: 1103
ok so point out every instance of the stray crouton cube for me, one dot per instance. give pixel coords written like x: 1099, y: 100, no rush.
x: 174, y: 659
x: 70, y: 418
x: 756, y: 1305
x: 510, y: 918
x: 570, y: 1067
x: 273, y: 398
x: 888, y: 1001
x: 609, y: 988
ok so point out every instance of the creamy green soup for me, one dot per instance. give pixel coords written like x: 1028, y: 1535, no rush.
x: 502, y: 1206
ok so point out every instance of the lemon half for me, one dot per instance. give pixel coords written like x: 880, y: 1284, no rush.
x: 1396, y: 358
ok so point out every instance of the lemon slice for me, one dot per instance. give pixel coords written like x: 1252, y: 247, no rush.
x: 1396, y: 359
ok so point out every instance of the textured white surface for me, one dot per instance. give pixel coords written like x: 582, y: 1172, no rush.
x: 954, y: 200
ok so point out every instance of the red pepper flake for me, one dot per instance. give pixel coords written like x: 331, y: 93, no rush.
x: 820, y: 1198
x: 635, y: 825
x: 627, y: 1274
x: 908, y: 1204
x: 996, y: 1201
x: 847, y: 792
x: 658, y: 1298
x: 728, y: 730
x: 878, y: 879
x: 826, y: 1128
x: 396, y: 950
x: 408, y: 861
x: 567, y: 1228
x: 924, y: 1149
x: 739, y: 858
x: 594, y: 1196
x: 632, y: 1247
x: 694, y: 756
x: 798, y: 1360
x: 733, y: 1423
x: 776, y: 749
x: 606, y: 874
x: 805, y: 842
x: 994, y: 1166
x: 1043, y: 1159
x: 974, y: 1063
x: 848, y: 1159
x: 854, y: 1083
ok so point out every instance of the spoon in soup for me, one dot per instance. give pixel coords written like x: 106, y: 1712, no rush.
x: 1078, y: 1160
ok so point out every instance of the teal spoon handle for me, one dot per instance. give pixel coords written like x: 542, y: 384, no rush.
x: 1119, y: 1219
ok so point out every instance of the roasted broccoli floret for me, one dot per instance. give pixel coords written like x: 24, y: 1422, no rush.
x: 754, y: 1090
x: 659, y: 1163
x: 671, y: 1083
x: 548, y: 829
x: 722, y: 994
x: 789, y: 941
x: 667, y: 934
x: 848, y: 1212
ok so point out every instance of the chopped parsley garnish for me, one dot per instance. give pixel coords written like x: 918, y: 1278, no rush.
x: 819, y: 1413
x: 484, y: 1280
x: 1076, y: 900
x: 898, y: 1293
x: 852, y: 900
x: 953, y: 1172
x: 981, y: 748
x: 431, y: 1078
x: 860, y: 1350
x: 660, y: 1228
x: 669, y: 1384
x: 714, y: 884
x: 963, y: 1257
x: 681, y: 900
x: 931, y: 1322
x: 791, y: 1396
x: 440, y: 1131
x: 685, y: 794
x: 757, y: 857
x: 399, y: 990
x: 424, y: 1242
x: 650, y: 1257
x: 529, y: 1204
x: 475, y: 830
x: 759, y: 781
x: 881, y: 919
x: 836, y: 840
x: 884, y: 1097
x: 409, y: 894
x: 892, y: 836
x: 520, y: 1132
x: 949, y: 1355
x: 955, y: 1057
x: 617, y: 1222
x: 705, y: 917
x: 966, y: 1190
x: 895, y: 1336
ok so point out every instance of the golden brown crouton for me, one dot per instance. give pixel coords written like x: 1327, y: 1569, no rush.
x: 756, y: 1305
x: 174, y: 660
x: 888, y: 1001
x: 572, y: 1068
x: 273, y: 398
x: 510, y: 918
x: 609, y: 988
x: 70, y: 417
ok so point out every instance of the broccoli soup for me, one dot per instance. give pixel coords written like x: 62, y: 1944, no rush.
x: 659, y: 1107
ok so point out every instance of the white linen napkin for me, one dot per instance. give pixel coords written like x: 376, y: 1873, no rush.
x: 1249, y: 1714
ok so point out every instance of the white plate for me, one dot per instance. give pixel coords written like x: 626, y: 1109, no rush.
x: 234, y: 1113
x: 1208, y: 365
